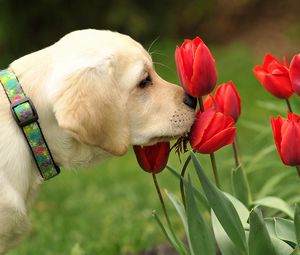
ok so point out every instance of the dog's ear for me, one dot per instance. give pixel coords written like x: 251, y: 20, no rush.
x: 91, y: 108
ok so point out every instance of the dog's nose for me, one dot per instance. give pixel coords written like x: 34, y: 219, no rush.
x: 190, y: 101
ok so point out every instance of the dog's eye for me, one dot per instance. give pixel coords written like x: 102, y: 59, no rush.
x: 144, y: 83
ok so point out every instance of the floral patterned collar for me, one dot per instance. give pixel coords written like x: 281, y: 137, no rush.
x: 26, y: 118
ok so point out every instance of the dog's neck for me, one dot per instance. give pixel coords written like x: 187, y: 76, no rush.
x: 34, y: 72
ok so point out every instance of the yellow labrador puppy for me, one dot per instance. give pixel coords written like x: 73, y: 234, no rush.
x: 96, y: 93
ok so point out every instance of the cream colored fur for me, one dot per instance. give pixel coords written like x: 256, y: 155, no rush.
x: 85, y: 89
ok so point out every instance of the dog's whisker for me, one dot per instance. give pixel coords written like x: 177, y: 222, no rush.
x: 159, y: 53
x: 161, y: 64
x: 152, y: 43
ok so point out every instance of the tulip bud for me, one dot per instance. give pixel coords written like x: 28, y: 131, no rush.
x: 226, y: 100
x: 154, y: 158
x: 286, y: 134
x: 211, y: 131
x: 295, y: 74
x: 196, y: 67
x: 274, y: 76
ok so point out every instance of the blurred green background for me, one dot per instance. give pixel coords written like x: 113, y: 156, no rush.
x: 107, y: 209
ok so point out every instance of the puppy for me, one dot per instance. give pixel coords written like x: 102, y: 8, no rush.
x: 96, y: 93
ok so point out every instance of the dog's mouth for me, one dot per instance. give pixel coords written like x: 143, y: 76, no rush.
x: 159, y: 139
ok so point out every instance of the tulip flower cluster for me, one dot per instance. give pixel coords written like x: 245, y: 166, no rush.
x: 282, y: 80
x: 214, y: 125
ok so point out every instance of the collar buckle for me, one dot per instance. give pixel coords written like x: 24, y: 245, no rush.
x: 24, y: 112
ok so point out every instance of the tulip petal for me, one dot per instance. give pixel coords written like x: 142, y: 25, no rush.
x: 260, y: 73
x: 295, y: 74
x: 279, y: 86
x: 202, y: 122
x: 228, y: 100
x: 219, y: 97
x: 211, y: 131
x: 196, y: 42
x: 218, y: 123
x: 276, y: 68
x: 231, y: 101
x: 205, y: 75
x: 210, y: 103
x: 187, y: 59
x: 276, y: 127
x: 293, y: 117
x: 181, y: 72
x: 290, y: 144
x: 141, y: 158
x: 285, y: 62
x: 218, y: 141
x: 162, y: 155
x: 152, y: 158
x: 268, y: 59
x: 271, y: 63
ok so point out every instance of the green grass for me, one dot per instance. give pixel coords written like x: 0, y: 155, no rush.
x: 107, y: 209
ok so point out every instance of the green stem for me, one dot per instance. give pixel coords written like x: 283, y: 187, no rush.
x: 298, y: 170
x: 186, y: 163
x: 212, y: 155
x: 288, y: 105
x: 215, y: 170
x: 236, y: 153
x: 238, y: 163
x: 162, y: 202
x: 201, y: 104
x: 165, y: 210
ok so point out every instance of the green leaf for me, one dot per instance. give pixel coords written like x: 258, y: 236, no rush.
x: 285, y: 230
x: 223, y: 208
x: 275, y: 203
x: 270, y: 225
x: 200, y: 236
x: 199, y: 195
x: 281, y: 247
x: 297, y: 223
x: 225, y: 245
x: 259, y: 238
x: 169, y: 236
x: 240, y: 186
x: 241, y: 210
x: 179, y: 208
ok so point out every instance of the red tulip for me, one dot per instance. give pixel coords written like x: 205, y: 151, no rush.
x: 154, y: 158
x: 295, y: 74
x: 196, y: 67
x: 211, y: 131
x: 286, y: 134
x: 274, y: 76
x: 226, y: 100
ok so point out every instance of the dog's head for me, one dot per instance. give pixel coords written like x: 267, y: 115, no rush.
x: 106, y: 93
